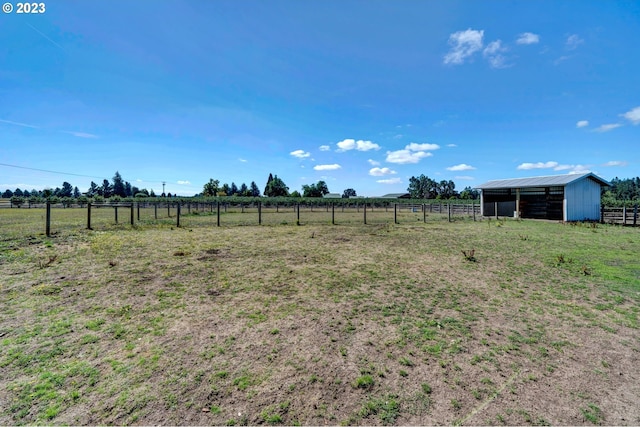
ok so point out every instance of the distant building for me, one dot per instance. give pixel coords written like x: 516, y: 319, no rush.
x: 574, y: 197
x: 356, y: 197
x: 396, y: 196
x: 332, y: 196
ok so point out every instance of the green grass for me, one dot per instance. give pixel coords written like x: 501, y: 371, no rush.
x: 359, y: 324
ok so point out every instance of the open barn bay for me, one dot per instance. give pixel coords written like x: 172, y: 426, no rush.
x: 536, y: 323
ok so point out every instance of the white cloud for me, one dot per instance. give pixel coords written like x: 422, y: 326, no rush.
x: 633, y: 116
x: 421, y: 147
x: 381, y: 172
x: 360, y: 145
x: 538, y: 165
x: 81, y: 134
x: 327, y: 167
x: 607, y: 128
x: 615, y: 163
x: 240, y: 159
x: 493, y: 54
x: 373, y: 162
x: 582, y: 123
x: 324, y: 148
x: 406, y: 156
x: 528, y: 38
x: 573, y: 41
x: 398, y: 136
x: 390, y: 181
x: 19, y: 124
x: 301, y: 154
x: 463, y: 45
x: 451, y: 145
x: 461, y: 167
x: 464, y: 178
x: 184, y: 182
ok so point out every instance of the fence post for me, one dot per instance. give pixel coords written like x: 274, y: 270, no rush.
x: 178, y: 216
x: 333, y: 214
x: 189, y: 207
x: 48, y: 223
x: 168, y: 210
x: 218, y: 214
x: 624, y: 215
x: 116, y: 213
x: 89, y: 216
x: 365, y: 212
x: 138, y: 208
x: 449, y: 209
x: 131, y: 213
x: 298, y: 223
x: 395, y: 213
x: 155, y: 211
x: 259, y: 213
x: 473, y: 206
x: 635, y: 214
x: 601, y: 214
x: 424, y: 213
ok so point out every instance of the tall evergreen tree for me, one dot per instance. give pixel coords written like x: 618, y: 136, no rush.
x: 243, y: 191
x: 269, y: 180
x: 66, y: 190
x: 255, y: 192
x: 276, y: 188
x: 233, y: 190
x: 107, y: 189
x: 118, y: 185
x: 127, y: 189
x: 76, y: 192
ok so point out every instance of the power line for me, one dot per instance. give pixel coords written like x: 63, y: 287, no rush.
x: 65, y: 173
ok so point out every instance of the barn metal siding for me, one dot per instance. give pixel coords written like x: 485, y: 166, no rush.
x: 582, y: 200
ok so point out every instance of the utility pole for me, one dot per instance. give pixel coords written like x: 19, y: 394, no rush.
x: 163, y: 193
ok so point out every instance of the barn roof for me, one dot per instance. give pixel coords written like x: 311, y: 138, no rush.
x: 540, y: 181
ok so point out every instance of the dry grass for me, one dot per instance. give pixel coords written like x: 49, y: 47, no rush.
x: 378, y: 324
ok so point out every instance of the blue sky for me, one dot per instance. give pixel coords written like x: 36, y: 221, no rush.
x: 361, y: 94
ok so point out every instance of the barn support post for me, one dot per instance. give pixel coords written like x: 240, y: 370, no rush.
x: 518, y: 203
x: 624, y: 215
x: 495, y: 204
x: 89, y: 216
x: 132, y: 213
x: 178, y: 216
x: 48, y: 219
x: 259, y: 213
x: 115, y: 209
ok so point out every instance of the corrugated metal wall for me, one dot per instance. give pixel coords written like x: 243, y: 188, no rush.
x: 583, y: 200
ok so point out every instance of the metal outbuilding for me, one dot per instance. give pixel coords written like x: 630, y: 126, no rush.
x: 573, y: 197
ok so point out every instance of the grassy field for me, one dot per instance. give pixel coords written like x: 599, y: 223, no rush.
x: 537, y: 323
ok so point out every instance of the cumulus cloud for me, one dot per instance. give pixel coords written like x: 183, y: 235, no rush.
x: 573, y: 41
x: 373, y: 162
x: 538, y: 165
x: 493, y: 54
x: 615, y: 163
x: 390, y: 181
x: 406, y: 156
x: 528, y: 38
x: 421, y: 147
x: 607, y: 128
x: 461, y: 167
x: 327, y: 167
x: 381, y: 172
x: 360, y: 145
x: 324, y: 148
x: 301, y: 154
x: 633, y: 115
x: 463, y: 45
x: 582, y: 124
x: 184, y: 182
